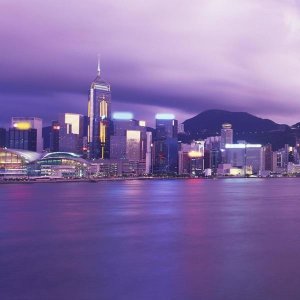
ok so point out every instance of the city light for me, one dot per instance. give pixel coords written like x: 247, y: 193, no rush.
x: 164, y: 116
x: 195, y: 154
x: 226, y: 126
x: 22, y: 125
x: 122, y: 116
x: 242, y: 146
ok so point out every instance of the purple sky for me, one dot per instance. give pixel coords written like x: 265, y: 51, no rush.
x: 159, y: 56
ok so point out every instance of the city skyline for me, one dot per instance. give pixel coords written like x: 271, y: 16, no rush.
x: 207, y: 54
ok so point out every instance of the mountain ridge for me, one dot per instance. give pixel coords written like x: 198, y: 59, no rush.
x: 245, y: 126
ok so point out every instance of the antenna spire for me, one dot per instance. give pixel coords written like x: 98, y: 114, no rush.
x: 98, y: 68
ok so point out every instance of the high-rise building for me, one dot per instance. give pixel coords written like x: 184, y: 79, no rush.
x: 99, y: 113
x: 54, y: 136
x: 149, y: 154
x: 71, y: 132
x: 191, y: 159
x: 268, y: 157
x: 51, y: 137
x: 184, y: 159
x: 243, y: 155
x: 166, y: 145
x: 118, y: 140
x: 23, y: 124
x: 226, y: 135
x: 46, y: 137
x: 133, y: 145
x: 3, y: 134
x: 128, y: 139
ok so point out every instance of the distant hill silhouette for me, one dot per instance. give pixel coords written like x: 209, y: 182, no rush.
x: 245, y: 127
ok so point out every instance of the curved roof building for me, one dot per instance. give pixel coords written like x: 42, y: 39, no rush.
x: 63, y: 164
x: 15, y: 161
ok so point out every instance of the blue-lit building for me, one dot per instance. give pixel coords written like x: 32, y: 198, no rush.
x: 166, y: 145
x: 99, y: 113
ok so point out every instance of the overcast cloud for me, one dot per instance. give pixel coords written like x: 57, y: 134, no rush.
x: 177, y: 56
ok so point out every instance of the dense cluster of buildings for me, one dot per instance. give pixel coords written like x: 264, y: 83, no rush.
x: 106, y: 144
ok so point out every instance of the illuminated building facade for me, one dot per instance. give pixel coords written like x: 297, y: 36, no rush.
x: 99, y: 113
x: 14, y: 162
x: 191, y: 159
x: 63, y: 165
x: 133, y: 145
x: 24, y: 124
x: 149, y: 153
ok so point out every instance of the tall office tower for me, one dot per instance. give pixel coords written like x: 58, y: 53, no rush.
x: 27, y: 124
x: 118, y: 140
x: 99, y: 113
x: 149, y: 145
x: 2, y: 137
x: 54, y: 136
x: 51, y: 137
x: 226, y: 135
x: 196, y: 156
x: 71, y: 132
x: 22, y: 139
x: 166, y: 145
x: 268, y: 157
x: 46, y: 137
x: 184, y: 159
x: 133, y: 145
x: 191, y: 159
x: 213, y: 154
x: 128, y: 139
x: 286, y: 155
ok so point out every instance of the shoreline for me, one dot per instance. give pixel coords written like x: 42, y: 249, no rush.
x: 97, y: 180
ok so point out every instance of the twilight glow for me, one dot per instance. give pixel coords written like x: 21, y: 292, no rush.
x: 168, y: 56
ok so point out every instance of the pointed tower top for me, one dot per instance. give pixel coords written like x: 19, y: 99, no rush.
x: 98, y: 69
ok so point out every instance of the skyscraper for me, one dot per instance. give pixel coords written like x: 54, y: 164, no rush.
x: 99, y: 113
x: 226, y: 135
x: 166, y: 144
x: 128, y: 139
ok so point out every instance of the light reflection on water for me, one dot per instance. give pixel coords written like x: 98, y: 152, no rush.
x: 160, y: 239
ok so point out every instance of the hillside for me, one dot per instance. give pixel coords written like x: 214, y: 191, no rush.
x: 246, y: 127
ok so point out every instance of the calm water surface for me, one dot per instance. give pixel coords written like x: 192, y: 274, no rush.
x: 163, y: 239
